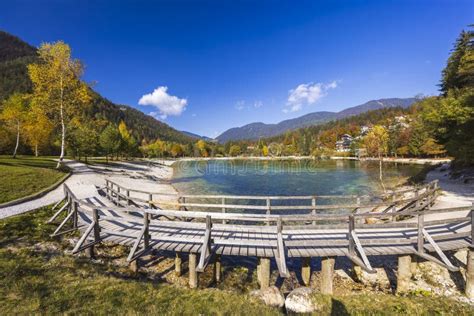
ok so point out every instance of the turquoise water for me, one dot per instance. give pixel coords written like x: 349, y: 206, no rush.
x: 286, y: 177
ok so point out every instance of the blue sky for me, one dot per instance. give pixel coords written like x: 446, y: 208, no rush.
x: 210, y: 65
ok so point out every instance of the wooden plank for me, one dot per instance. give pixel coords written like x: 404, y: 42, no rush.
x: 439, y: 251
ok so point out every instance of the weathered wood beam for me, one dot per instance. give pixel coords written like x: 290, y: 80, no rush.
x: 403, y: 273
x: 327, y: 275
x: 440, y: 253
x: 470, y: 274
x: 263, y: 272
x: 178, y: 261
x: 193, y: 275
x: 306, y: 270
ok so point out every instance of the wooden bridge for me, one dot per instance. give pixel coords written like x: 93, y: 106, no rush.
x: 278, y: 228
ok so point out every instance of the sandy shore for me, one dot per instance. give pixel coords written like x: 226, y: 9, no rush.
x: 417, y: 161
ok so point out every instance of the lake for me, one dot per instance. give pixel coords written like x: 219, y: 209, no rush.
x: 287, y: 177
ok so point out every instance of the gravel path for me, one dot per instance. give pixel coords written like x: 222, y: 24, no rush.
x: 132, y: 175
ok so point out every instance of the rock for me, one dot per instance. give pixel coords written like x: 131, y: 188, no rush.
x: 271, y: 296
x: 372, y: 220
x: 300, y: 300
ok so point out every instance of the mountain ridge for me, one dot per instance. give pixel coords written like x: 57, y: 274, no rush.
x: 257, y: 130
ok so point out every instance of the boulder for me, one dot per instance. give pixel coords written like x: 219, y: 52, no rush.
x: 271, y: 296
x: 300, y: 300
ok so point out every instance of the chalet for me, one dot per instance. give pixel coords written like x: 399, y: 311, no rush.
x: 344, y: 144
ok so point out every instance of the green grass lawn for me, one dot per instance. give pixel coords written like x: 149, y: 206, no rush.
x: 37, y: 277
x: 26, y: 175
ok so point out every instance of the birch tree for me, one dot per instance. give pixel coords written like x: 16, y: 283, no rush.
x: 14, y: 111
x: 57, y: 86
x: 38, y: 128
x: 376, y: 143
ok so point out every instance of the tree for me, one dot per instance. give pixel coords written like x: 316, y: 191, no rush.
x: 14, y: 111
x: 110, y: 141
x: 176, y: 150
x: 418, y: 136
x: 432, y: 148
x: 87, y: 140
x: 459, y: 68
x: 202, y: 148
x: 376, y: 143
x: 129, y: 144
x: 265, y: 151
x: 57, y: 86
x: 234, y: 150
x: 38, y: 128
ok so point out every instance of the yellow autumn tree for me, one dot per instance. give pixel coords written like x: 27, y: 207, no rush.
x: 38, y: 128
x: 265, y: 150
x: 202, y: 147
x: 57, y: 86
x: 14, y: 112
x: 376, y: 144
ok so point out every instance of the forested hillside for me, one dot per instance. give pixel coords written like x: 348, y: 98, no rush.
x: 255, y: 131
x: 16, y: 55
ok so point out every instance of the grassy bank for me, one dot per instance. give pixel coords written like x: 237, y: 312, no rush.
x: 38, y: 276
x: 26, y: 175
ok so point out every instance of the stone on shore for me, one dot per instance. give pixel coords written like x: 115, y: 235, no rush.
x: 271, y: 296
x: 300, y: 300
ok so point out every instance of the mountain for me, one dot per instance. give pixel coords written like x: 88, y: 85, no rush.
x: 196, y: 136
x: 254, y: 131
x: 15, y: 55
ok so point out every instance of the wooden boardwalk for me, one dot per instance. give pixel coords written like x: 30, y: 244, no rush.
x: 280, y: 228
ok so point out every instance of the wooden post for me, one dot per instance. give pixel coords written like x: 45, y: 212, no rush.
x: 75, y: 217
x: 470, y: 261
x: 327, y: 272
x: 90, y: 252
x: 218, y: 269
x: 146, y: 235
x: 95, y: 215
x: 223, y: 210
x: 421, y: 238
x: 150, y: 201
x: 403, y: 273
x: 177, y: 264
x: 470, y: 273
x: 417, y: 203
x: 414, y: 264
x: 107, y: 188
x: 264, y: 273
x: 193, y: 277
x: 313, y: 212
x: 351, y: 240
x: 134, y: 266
x: 268, y: 209
x: 306, y: 270
x: 118, y: 194
x: 128, y: 197
x: 472, y: 226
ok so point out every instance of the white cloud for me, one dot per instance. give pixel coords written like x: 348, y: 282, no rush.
x: 307, y: 93
x: 164, y: 103
x: 257, y: 104
x: 240, y: 105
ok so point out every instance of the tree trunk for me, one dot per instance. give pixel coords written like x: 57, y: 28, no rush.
x: 107, y: 159
x: 63, y: 127
x: 17, y: 139
x: 381, y: 173
x: 36, y: 150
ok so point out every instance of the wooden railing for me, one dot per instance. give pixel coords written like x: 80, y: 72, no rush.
x: 277, y: 225
x: 271, y: 204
